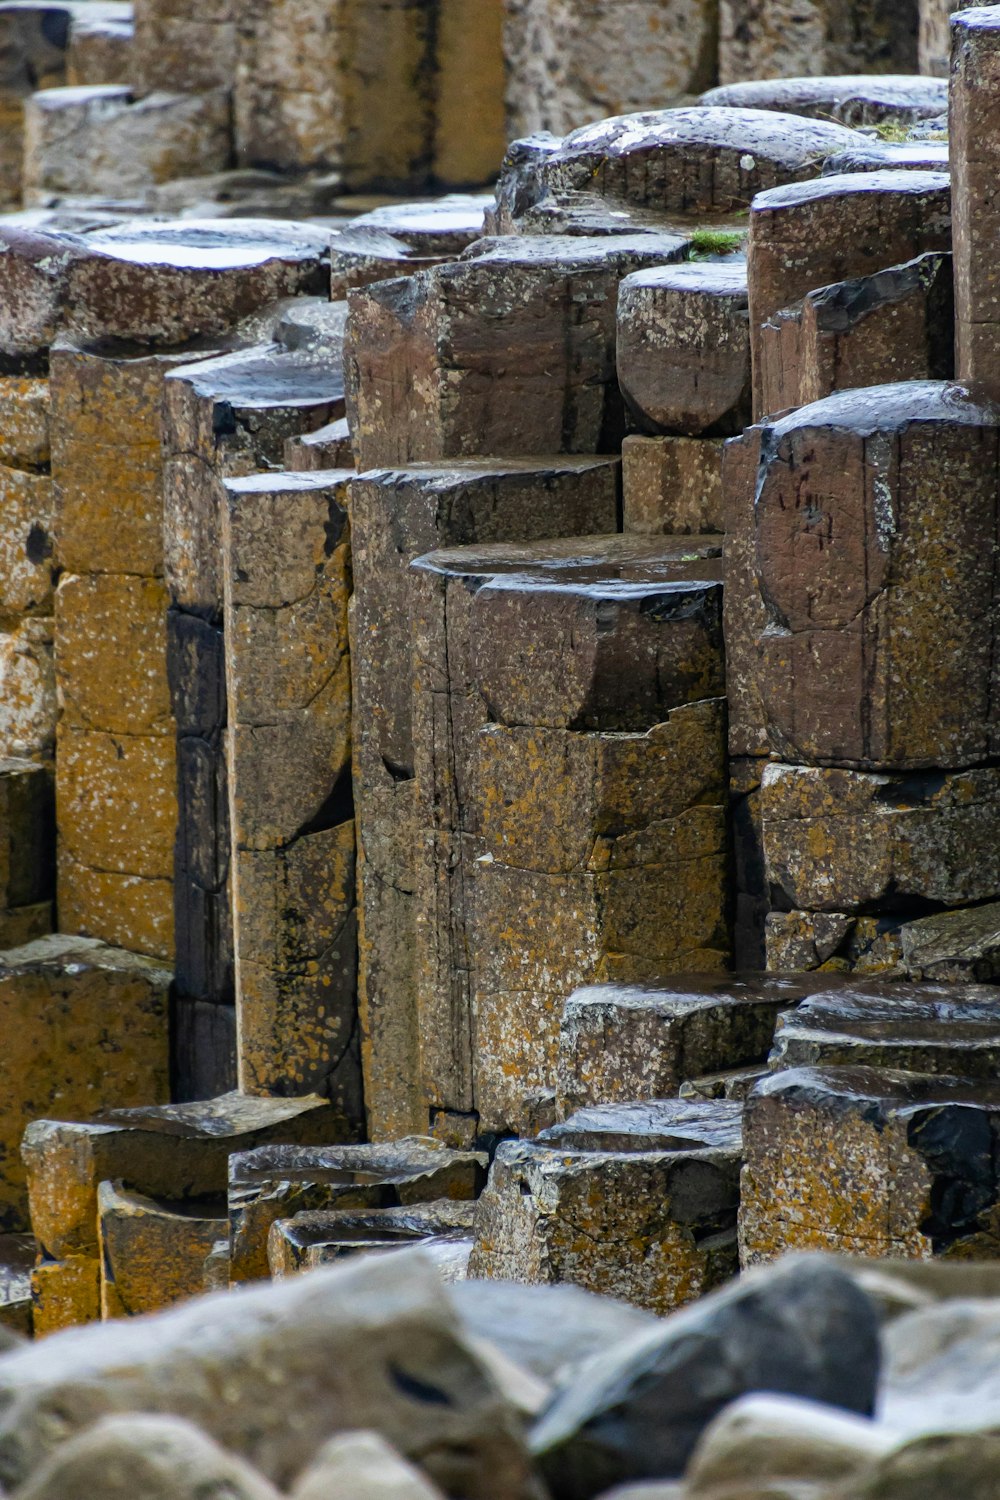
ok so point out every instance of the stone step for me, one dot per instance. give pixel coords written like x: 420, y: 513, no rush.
x: 443, y: 1229
x: 636, y: 1201
x: 852, y: 99
x: 152, y: 1252
x: 276, y: 1183
x: 633, y: 1042
x: 870, y: 1161
x: 811, y: 234
x: 173, y: 1153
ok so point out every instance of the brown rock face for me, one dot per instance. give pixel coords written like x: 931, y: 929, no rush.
x: 625, y: 1042
x: 838, y: 840
x: 875, y: 1162
x: 677, y: 162
x: 568, y: 66
x: 671, y: 486
x: 975, y: 90
x: 395, y: 516
x: 897, y: 324
x: 461, y: 770
x: 783, y: 38
x: 175, y: 1153
x: 869, y: 516
x: 287, y: 578
x: 812, y: 234
x: 186, y: 46
x: 684, y: 349
x: 271, y: 1184
x: 636, y: 1201
x: 744, y: 613
x: 509, y: 352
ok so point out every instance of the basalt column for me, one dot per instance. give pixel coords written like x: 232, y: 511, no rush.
x: 396, y: 515
x: 286, y: 582
x: 875, y: 658
x: 223, y: 418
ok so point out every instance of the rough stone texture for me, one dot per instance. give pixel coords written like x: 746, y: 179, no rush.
x: 812, y: 234
x: 975, y: 84
x: 510, y: 352
x: 904, y: 1168
x: 303, y: 1360
x: 278, y: 1182
x: 173, y: 1152
x: 222, y: 418
x: 623, y: 1042
x: 86, y: 1029
x: 99, y: 48
x: 676, y: 162
x: 752, y: 902
x: 541, y: 709
x: 378, y: 91
x: 287, y: 564
x: 322, y: 1236
x: 184, y: 46
x: 684, y: 349
x: 850, y: 841
x: 919, y: 1028
x: 897, y: 324
x: 744, y: 614
x: 671, y: 485
x: 28, y: 708
x: 568, y: 65
x: 160, y: 1458
x: 27, y: 564
x: 157, y: 284
x: 635, y: 1201
x: 152, y: 1253
x: 101, y: 140
x: 877, y: 651
x: 398, y: 239
x: 802, y: 1329
x: 858, y: 99
x: 395, y: 516
x: 835, y: 942
x: 783, y: 38
x: 954, y: 945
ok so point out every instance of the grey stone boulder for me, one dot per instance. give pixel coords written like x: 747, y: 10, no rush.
x: 797, y: 1329
x: 137, y: 1457
x: 272, y: 1373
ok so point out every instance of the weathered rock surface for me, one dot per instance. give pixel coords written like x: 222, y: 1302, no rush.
x: 631, y: 1042
x: 672, y: 486
x: 916, y: 1150
x: 428, y: 377
x: 876, y: 654
x: 684, y: 349
x: 802, y: 1329
x: 635, y: 1201
x: 677, y: 162
x: 848, y: 839
x: 858, y: 99
x: 301, y: 1361
x: 160, y: 1458
x: 798, y: 241
x: 275, y: 1183
x: 321, y: 1236
x: 784, y: 38
x: 152, y: 1253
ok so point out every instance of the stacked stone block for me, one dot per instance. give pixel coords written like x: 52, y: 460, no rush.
x: 397, y: 515
x: 376, y: 92
x: 788, y: 38
x: 635, y: 1201
x: 286, y: 559
x: 174, y: 1160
